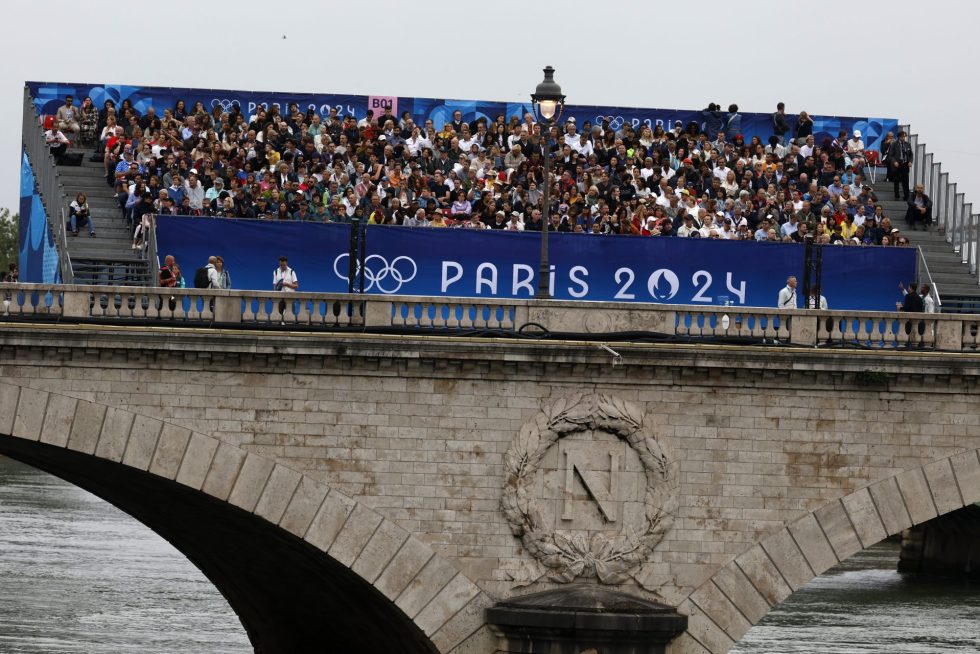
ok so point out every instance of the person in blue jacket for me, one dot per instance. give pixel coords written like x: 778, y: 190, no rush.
x: 733, y: 122
x: 712, y: 121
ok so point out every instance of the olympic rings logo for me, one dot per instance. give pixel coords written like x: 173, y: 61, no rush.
x: 226, y: 105
x: 386, y: 277
x: 615, y: 122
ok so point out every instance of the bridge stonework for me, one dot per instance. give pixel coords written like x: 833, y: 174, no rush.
x: 388, y: 453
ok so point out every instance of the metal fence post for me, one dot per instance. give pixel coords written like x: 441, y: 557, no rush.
x: 960, y: 219
x: 940, y: 201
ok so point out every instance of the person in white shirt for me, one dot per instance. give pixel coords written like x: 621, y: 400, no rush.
x: 807, y: 148
x: 284, y: 278
x: 213, y: 279
x: 721, y: 171
x: 813, y: 302
x: 787, y: 296
x: 855, y: 146
x: 582, y: 145
x: 417, y: 142
x: 194, y: 192
x: 57, y: 141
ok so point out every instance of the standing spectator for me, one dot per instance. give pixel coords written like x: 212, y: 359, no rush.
x: 928, y: 304
x: 195, y: 193
x: 143, y: 226
x: 816, y: 300
x: 733, y: 123
x: 169, y: 275
x: 212, y: 273
x: 920, y: 209
x: 80, y: 215
x: 900, y: 156
x: 779, y: 125
x: 925, y: 292
x: 913, y: 301
x: 787, y: 296
x: 284, y: 278
x: 66, y: 119
x: 224, y: 277
x: 886, y: 162
x: 804, y: 129
x: 712, y: 120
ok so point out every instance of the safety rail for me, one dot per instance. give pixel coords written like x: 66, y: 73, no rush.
x: 593, y: 320
x: 52, y: 192
x: 951, y: 212
x: 924, y: 275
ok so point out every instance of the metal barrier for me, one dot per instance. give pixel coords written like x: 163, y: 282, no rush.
x: 53, y: 196
x: 923, y: 275
x: 951, y: 212
x: 186, y: 307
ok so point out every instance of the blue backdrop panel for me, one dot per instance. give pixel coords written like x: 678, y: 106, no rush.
x: 37, y: 253
x: 463, y: 263
x: 48, y: 96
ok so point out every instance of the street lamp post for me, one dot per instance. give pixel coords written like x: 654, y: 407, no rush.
x: 548, y: 103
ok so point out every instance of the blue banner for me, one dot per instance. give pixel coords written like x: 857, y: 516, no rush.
x: 488, y: 263
x: 38, y: 255
x: 48, y: 96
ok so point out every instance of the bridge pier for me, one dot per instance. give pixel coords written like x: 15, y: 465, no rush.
x: 584, y: 618
x: 947, y: 546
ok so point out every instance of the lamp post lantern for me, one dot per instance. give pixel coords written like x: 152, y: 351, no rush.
x: 548, y: 103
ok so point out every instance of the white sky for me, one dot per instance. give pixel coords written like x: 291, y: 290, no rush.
x: 914, y: 61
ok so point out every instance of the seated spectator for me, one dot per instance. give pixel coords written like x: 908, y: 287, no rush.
x: 88, y: 122
x: 57, y: 142
x: 67, y: 117
x: 80, y: 215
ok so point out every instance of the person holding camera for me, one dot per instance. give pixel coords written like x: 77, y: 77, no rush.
x: 80, y: 214
x: 284, y: 278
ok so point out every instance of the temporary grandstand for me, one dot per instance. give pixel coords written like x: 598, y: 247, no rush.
x: 947, y: 256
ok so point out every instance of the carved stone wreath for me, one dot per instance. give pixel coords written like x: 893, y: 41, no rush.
x: 611, y: 560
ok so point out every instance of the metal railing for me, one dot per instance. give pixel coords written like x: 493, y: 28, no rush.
x: 64, y: 261
x: 43, y: 164
x: 185, y: 307
x: 922, y: 274
x: 951, y: 212
x: 151, y: 255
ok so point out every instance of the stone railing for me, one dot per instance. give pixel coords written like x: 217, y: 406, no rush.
x: 593, y: 320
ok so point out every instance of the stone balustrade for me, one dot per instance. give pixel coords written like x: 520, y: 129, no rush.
x: 531, y: 317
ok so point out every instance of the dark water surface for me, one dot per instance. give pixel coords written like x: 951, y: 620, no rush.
x: 77, y: 575
x: 864, y: 606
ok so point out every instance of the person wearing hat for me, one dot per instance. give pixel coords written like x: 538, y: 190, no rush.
x: 688, y: 227
x: 499, y: 220
x: 855, y: 146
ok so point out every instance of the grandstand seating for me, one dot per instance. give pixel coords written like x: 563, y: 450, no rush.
x: 307, y: 155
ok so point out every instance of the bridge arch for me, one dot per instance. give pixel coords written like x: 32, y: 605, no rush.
x: 740, y: 594
x: 305, y: 567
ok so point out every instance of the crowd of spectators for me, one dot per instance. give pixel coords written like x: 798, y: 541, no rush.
x: 700, y: 180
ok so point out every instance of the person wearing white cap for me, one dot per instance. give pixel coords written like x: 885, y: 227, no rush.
x: 855, y: 146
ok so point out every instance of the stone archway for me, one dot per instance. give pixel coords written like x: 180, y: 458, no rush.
x: 304, y: 567
x: 741, y: 593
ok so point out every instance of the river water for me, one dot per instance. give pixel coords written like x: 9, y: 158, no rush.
x: 77, y: 575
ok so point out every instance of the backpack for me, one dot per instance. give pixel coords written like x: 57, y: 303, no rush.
x: 201, y: 278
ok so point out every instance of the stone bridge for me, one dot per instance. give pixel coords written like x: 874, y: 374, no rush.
x: 371, y: 491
